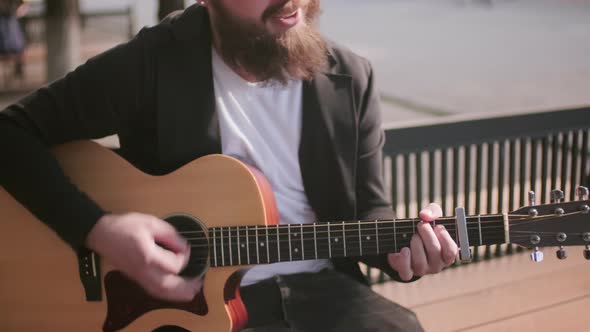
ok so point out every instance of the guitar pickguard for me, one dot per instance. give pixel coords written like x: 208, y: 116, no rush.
x: 127, y: 301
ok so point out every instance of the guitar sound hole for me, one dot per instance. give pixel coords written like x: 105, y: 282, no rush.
x: 196, y: 235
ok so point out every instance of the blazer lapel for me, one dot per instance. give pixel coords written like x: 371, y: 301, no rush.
x: 329, y: 134
x: 187, y: 123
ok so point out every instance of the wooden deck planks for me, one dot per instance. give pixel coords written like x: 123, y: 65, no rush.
x: 495, y: 291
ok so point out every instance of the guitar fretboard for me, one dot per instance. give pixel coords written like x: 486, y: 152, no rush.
x: 245, y: 245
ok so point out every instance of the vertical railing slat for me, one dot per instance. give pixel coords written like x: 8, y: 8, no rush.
x: 455, y: 177
x: 565, y: 148
x: 431, y: 175
x: 544, y: 157
x: 443, y: 178
x: 574, y: 165
x: 394, y: 179
x: 407, y: 182
x: 511, y: 175
x: 533, y: 165
x: 501, y: 160
x: 490, y: 180
x: 418, y: 182
x: 467, y: 179
x: 554, y: 160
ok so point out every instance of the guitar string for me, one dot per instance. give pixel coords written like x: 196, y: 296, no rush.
x: 500, y: 239
x: 339, y: 230
x: 305, y: 252
x: 373, y: 222
x: 405, y: 221
x: 382, y: 232
x: 351, y: 241
x: 337, y: 227
x: 336, y: 232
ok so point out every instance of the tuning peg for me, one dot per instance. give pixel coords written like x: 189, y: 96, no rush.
x: 556, y: 195
x: 582, y: 193
x: 531, y: 198
x: 587, y: 252
x: 561, y: 253
x: 537, y: 255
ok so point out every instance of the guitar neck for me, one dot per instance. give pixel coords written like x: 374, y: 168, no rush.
x: 245, y: 245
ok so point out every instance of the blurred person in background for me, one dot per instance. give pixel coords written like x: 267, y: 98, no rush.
x: 12, y: 38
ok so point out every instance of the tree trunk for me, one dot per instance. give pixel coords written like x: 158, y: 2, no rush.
x: 62, y: 30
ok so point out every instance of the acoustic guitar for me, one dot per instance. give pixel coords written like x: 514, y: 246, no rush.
x: 226, y: 211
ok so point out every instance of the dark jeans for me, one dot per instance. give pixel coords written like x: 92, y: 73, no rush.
x: 321, y: 302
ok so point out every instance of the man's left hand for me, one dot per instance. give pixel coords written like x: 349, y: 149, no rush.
x: 431, y: 249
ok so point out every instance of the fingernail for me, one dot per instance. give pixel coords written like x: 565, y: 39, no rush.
x: 405, y: 251
x: 441, y: 227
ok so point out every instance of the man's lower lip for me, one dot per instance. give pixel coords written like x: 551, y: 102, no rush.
x: 288, y: 20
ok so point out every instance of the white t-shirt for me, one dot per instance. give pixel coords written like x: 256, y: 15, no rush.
x: 261, y: 126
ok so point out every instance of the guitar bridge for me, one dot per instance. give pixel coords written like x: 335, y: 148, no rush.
x: 89, y: 267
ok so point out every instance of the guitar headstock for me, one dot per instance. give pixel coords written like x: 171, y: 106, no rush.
x: 556, y: 224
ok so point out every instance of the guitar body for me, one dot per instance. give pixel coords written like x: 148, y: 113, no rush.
x: 40, y: 285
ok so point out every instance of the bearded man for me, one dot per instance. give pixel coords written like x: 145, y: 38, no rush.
x: 253, y: 79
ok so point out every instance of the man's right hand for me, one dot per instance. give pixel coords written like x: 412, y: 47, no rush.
x: 130, y: 243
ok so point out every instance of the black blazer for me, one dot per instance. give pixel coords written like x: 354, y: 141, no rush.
x: 156, y: 93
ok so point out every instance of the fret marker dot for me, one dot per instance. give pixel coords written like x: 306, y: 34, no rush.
x: 368, y: 237
x: 294, y: 234
x: 262, y: 244
x: 243, y: 245
x: 336, y: 240
x: 404, y: 235
x: 296, y: 249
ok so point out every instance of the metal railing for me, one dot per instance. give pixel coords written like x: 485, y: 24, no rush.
x: 486, y: 165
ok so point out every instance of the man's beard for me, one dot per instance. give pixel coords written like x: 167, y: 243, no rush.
x: 298, y: 53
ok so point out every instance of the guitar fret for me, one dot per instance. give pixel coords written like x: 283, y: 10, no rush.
x: 360, y: 238
x: 267, y: 247
x: 231, y: 261
x: 302, y: 247
x: 222, y: 251
x: 344, y: 239
x: 248, y: 243
x: 479, y: 226
x: 395, y: 236
x: 290, y: 249
x: 257, y: 245
x: 214, y: 246
x: 239, y: 251
x: 278, y: 242
x: 377, y: 235
x: 315, y: 241
x: 329, y: 243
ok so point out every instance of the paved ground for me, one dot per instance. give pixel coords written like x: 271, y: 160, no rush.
x: 435, y: 57
x: 439, y: 57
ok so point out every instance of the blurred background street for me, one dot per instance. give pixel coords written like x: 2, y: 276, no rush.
x: 433, y: 58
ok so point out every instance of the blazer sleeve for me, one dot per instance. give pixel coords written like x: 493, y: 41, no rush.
x: 90, y: 102
x: 372, y: 200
